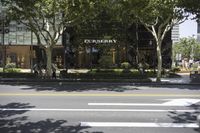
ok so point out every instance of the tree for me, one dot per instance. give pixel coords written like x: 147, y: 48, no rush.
x: 188, y: 48
x: 192, y: 6
x: 158, y: 17
x: 47, y: 19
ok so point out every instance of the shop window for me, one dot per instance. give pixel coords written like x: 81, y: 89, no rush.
x: 13, y: 57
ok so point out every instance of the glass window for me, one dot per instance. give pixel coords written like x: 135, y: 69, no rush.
x: 6, y: 37
x: 34, y: 39
x: 20, y: 39
x: 12, y: 38
x: 27, y: 38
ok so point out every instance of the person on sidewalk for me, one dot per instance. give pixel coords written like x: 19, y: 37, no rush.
x: 54, y: 68
x: 190, y: 63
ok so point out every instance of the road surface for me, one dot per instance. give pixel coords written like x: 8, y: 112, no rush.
x: 98, y: 108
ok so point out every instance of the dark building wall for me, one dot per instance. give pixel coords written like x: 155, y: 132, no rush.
x: 198, y: 31
x: 129, y: 39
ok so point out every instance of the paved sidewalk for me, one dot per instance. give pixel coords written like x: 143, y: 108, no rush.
x: 184, y: 79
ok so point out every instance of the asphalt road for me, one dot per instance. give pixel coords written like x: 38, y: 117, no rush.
x: 98, y: 108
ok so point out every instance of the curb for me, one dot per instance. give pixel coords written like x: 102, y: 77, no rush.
x: 94, y: 81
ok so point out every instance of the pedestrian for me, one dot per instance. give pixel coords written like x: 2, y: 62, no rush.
x: 36, y: 69
x: 190, y: 63
x: 54, y: 71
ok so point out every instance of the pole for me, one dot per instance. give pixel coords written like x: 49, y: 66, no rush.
x: 4, y: 46
x: 137, y: 38
x: 31, y: 57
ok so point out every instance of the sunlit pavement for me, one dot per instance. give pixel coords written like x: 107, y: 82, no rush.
x: 185, y: 78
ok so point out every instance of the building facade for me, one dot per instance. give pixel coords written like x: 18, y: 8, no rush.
x: 175, y: 34
x: 198, y: 31
x: 19, y: 46
x: 84, y: 51
x: 85, y: 47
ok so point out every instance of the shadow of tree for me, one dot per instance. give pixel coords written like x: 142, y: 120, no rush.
x: 77, y: 87
x: 97, y: 86
x: 174, y: 86
x: 21, y: 124
x: 7, y: 113
x: 43, y: 126
x: 186, y: 117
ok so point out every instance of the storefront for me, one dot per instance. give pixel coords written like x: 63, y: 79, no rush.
x: 88, y: 48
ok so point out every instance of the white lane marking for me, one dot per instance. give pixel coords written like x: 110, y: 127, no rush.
x: 173, y: 102
x: 134, y: 124
x: 181, y: 102
x: 124, y: 104
x: 96, y: 110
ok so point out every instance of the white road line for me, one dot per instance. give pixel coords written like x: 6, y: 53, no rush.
x: 129, y: 124
x: 124, y: 104
x: 95, y: 110
x: 170, y: 102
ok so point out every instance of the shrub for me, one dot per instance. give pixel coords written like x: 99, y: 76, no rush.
x: 11, y: 68
x: 175, y: 69
x: 106, y: 61
x: 125, y: 65
x: 10, y: 65
x: 195, y: 65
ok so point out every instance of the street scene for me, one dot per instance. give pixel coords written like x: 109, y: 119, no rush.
x: 99, y: 108
x: 99, y: 66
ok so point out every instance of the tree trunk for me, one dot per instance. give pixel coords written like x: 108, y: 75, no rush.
x: 159, y: 56
x: 49, y: 62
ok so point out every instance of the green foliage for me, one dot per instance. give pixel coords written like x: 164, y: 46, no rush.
x: 105, y: 61
x: 11, y: 68
x: 125, y: 65
x: 187, y: 47
x: 195, y: 67
x: 10, y: 65
x: 175, y: 69
x: 48, y: 19
x: 157, y: 16
x: 93, y: 71
x: 191, y: 6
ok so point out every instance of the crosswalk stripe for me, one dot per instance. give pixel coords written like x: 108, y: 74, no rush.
x: 134, y: 124
x: 95, y: 110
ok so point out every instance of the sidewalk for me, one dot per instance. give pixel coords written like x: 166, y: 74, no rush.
x: 185, y: 79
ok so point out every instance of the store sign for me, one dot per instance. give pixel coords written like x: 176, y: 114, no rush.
x: 100, y: 41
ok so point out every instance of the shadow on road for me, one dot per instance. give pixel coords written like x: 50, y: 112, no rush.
x: 186, y: 117
x: 174, y: 86
x: 11, y: 122
x: 8, y: 113
x: 80, y: 87
x: 76, y: 87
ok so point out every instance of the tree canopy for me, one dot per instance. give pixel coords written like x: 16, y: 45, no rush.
x: 188, y: 48
x: 158, y: 17
x: 192, y: 6
x: 48, y: 19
